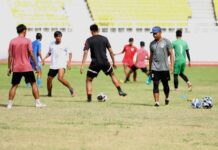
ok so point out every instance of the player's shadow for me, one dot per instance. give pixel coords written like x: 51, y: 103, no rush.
x: 15, y: 105
x: 3, y: 105
x: 70, y: 101
x: 134, y: 104
x: 54, y: 96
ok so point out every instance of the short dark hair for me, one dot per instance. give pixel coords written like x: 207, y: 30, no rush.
x: 131, y: 39
x: 57, y: 33
x: 38, y: 36
x: 21, y: 28
x: 142, y: 43
x: 179, y: 33
x: 94, y: 28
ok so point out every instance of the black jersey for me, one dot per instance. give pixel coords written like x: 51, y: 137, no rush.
x: 98, y: 46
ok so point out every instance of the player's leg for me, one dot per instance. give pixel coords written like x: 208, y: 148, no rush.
x: 184, y: 77
x: 51, y: 74
x: 125, y: 67
x: 89, y: 88
x: 128, y: 75
x: 134, y: 76
x: 145, y: 70
x: 117, y: 84
x: 30, y: 77
x: 39, y: 77
x: 91, y: 74
x: 177, y: 70
x: 176, y: 81
x: 156, y: 80
x: 108, y: 70
x: 61, y: 73
x: 16, y: 78
x: 165, y: 77
x: 132, y: 69
x: 12, y: 92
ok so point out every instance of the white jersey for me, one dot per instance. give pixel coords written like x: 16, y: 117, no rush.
x: 59, y: 55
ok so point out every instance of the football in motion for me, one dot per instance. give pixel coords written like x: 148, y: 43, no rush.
x: 102, y: 97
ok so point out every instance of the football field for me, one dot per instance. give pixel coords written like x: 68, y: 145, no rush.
x: 121, y: 123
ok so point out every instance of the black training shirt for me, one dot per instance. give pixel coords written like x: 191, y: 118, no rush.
x: 98, y: 46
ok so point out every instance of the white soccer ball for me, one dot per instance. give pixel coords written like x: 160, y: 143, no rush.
x: 196, y: 103
x: 102, y: 97
x: 207, y: 102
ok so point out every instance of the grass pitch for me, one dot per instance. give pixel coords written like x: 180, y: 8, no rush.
x: 130, y: 123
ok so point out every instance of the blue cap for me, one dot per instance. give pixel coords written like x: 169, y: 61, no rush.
x: 156, y: 29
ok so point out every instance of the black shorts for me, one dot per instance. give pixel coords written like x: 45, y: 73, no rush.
x: 17, y: 76
x: 134, y: 68
x: 160, y: 75
x: 53, y: 72
x: 94, y: 69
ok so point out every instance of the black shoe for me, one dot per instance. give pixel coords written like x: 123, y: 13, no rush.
x: 89, y: 100
x: 127, y: 80
x: 156, y: 105
x: 121, y: 93
x: 167, y: 102
x: 49, y: 95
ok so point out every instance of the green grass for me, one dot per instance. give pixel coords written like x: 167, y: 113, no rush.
x: 130, y: 123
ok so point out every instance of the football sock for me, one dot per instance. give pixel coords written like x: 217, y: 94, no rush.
x: 10, y: 101
x: 38, y: 101
x: 184, y: 77
x: 119, y: 89
x: 39, y: 82
x: 89, y: 97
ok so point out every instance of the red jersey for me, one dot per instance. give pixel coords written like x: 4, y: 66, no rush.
x: 18, y: 49
x: 129, y: 51
x: 142, y: 54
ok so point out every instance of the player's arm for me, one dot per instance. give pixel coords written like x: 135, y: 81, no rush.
x: 112, y: 57
x: 150, y: 62
x: 85, y: 54
x: 189, y: 58
x: 47, y: 55
x: 123, y: 51
x: 171, y: 60
x: 147, y: 56
x: 9, y: 63
x: 40, y: 54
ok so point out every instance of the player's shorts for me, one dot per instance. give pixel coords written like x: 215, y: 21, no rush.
x: 34, y: 66
x: 53, y: 72
x: 17, y: 76
x: 160, y: 75
x: 128, y: 62
x: 179, y: 68
x: 94, y: 69
x: 134, y: 68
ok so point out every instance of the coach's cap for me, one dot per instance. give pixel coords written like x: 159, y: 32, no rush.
x: 156, y: 29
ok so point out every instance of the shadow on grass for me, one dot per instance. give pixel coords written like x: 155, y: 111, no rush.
x: 4, y: 105
x: 134, y: 104
x: 54, y: 96
x: 71, y: 101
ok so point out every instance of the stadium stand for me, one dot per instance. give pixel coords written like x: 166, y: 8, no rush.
x: 39, y: 13
x: 215, y: 3
x: 165, y: 13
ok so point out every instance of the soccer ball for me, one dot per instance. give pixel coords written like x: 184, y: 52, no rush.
x: 196, y: 103
x: 207, y: 102
x: 102, y: 97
